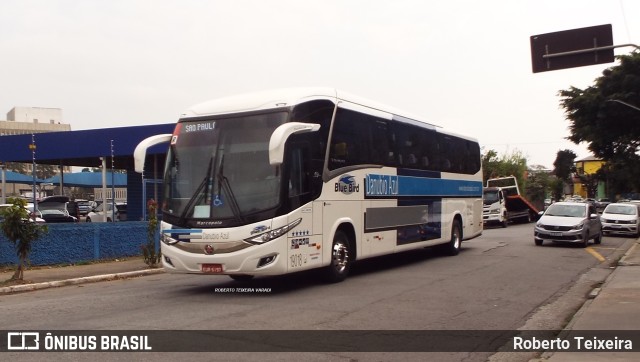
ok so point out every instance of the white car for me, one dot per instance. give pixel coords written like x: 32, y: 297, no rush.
x: 97, y: 215
x: 621, y: 218
x: 574, y: 222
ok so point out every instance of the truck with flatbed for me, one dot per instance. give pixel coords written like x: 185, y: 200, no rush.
x: 503, y: 203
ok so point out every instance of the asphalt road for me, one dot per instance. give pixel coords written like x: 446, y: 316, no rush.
x: 499, y: 281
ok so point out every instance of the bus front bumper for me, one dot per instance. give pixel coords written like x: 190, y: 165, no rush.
x: 265, y: 259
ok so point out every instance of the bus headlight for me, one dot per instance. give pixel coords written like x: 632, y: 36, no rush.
x: 273, y: 234
x: 167, y: 239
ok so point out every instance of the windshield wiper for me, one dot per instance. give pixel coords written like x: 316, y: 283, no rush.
x: 233, y: 202
x: 197, y: 196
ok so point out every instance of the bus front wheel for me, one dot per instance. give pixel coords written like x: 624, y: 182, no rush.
x: 340, y: 264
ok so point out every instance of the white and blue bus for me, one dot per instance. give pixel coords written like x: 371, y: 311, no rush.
x: 288, y: 180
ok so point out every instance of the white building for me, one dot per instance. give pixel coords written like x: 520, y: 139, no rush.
x: 28, y: 120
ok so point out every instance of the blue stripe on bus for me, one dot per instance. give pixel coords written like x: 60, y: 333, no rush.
x: 403, y: 186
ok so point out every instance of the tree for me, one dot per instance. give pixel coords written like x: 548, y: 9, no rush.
x: 603, y: 116
x: 21, y: 231
x: 538, y: 183
x: 564, y: 165
x: 513, y: 164
x: 151, y: 255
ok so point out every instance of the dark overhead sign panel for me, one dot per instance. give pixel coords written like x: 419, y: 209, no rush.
x: 545, y: 46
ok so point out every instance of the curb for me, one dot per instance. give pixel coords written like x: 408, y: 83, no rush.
x: 546, y: 355
x: 76, y: 281
x: 623, y: 261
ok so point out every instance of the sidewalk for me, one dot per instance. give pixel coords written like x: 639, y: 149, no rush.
x: 615, y: 307
x: 57, y: 276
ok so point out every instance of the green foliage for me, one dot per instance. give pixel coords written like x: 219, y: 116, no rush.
x: 151, y: 257
x: 20, y: 231
x: 564, y: 165
x: 538, y: 184
x: 556, y: 187
x: 611, y: 129
x: 513, y: 164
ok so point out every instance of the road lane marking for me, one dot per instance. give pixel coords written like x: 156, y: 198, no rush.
x: 595, y: 254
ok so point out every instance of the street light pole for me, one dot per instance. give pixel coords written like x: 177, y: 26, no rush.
x: 623, y: 103
x: 32, y: 147
x: 3, y: 198
x: 113, y: 192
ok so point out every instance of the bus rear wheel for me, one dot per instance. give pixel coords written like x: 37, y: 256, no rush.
x: 453, y: 247
x: 340, y: 264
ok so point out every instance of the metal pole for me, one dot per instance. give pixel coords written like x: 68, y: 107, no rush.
x: 589, y: 50
x: 61, y: 179
x: 113, y: 192
x: 104, y: 188
x: 3, y: 200
x: 623, y: 103
x: 32, y: 147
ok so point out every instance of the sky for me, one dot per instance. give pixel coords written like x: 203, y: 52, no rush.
x: 461, y: 64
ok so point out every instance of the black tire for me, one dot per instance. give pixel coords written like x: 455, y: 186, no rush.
x: 585, y: 240
x: 241, y: 277
x: 340, y: 264
x: 453, y: 246
x: 505, y: 222
x: 598, y: 238
x: 538, y: 241
x: 87, y: 219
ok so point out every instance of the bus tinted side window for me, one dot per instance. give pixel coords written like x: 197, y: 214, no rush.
x: 358, y: 139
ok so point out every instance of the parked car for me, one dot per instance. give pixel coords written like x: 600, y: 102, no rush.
x: 621, y: 218
x: 601, y: 204
x: 55, y: 209
x: 97, y: 215
x: 574, y: 222
x: 38, y: 216
x: 84, y: 207
x: 57, y: 215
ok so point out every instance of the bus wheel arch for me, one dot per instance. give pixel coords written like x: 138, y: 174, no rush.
x: 342, y: 254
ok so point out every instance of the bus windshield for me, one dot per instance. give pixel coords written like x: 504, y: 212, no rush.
x: 218, y: 169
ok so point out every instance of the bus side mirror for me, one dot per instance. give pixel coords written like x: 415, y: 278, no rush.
x: 140, y: 153
x: 280, y: 136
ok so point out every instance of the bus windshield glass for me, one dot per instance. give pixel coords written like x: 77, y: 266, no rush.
x: 219, y: 169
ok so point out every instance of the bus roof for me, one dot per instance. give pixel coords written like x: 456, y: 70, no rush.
x: 287, y: 97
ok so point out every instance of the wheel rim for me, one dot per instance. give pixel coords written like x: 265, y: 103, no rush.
x: 455, y: 238
x: 340, y: 256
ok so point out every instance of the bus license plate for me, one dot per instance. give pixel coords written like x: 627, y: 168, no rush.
x: 212, y: 268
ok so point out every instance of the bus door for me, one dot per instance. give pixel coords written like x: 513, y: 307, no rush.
x: 305, y: 239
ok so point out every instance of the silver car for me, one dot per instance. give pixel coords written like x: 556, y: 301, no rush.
x: 574, y: 222
x: 621, y: 218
